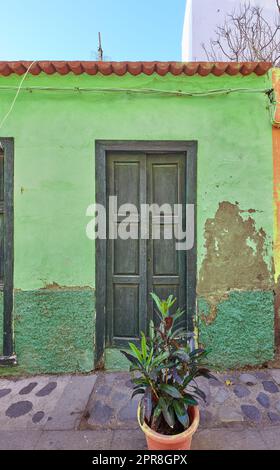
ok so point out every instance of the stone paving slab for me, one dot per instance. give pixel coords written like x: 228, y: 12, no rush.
x: 18, y: 440
x: 204, y: 439
x: 133, y: 439
x: 110, y: 405
x: 69, y: 409
x: 44, y: 402
x: 271, y: 437
x: 74, y: 440
x: 220, y: 439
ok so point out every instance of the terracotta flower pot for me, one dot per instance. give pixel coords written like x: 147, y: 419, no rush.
x: 156, y: 441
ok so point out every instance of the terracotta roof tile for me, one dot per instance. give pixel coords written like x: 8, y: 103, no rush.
x: 135, y: 68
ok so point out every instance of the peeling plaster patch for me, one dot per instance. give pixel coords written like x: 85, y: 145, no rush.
x: 237, y: 264
x: 56, y: 286
x: 252, y: 244
x: 209, y: 311
x: 249, y: 211
x: 216, y: 245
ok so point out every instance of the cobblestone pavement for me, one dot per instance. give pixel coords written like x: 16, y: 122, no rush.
x: 44, y: 402
x: 234, y: 398
x: 95, y: 412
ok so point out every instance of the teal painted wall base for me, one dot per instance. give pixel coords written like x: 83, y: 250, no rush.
x: 242, y: 332
x: 54, y: 330
x: 115, y: 360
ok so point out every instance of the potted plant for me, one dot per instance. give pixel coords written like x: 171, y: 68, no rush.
x: 164, y: 370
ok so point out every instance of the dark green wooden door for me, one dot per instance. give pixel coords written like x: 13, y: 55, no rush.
x: 136, y: 267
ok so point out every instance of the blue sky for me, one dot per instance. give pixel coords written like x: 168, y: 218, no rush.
x: 68, y: 29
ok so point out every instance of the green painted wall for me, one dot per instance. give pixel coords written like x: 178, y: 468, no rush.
x: 54, y: 184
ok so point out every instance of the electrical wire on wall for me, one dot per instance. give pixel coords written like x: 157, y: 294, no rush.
x: 141, y: 91
x: 16, y: 95
x: 144, y: 91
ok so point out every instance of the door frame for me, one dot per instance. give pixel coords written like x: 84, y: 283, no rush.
x: 8, y: 357
x: 101, y: 149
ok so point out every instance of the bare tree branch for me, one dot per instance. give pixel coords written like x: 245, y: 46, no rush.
x: 246, y: 35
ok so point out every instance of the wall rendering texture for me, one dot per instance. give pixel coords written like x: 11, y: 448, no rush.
x: 54, y: 134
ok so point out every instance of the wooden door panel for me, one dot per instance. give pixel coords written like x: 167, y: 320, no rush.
x: 126, y: 259
x: 126, y: 181
x: 165, y: 182
x: 166, y: 266
x: 126, y: 311
x: 165, y: 259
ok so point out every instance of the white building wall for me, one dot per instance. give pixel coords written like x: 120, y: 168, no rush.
x: 201, y: 19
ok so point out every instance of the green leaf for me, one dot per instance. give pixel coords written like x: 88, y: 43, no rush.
x: 170, y: 298
x: 198, y: 352
x: 162, y: 357
x: 131, y: 358
x: 199, y: 393
x: 140, y: 381
x: 157, y: 411
x: 178, y: 332
x: 182, y: 355
x: 167, y: 413
x: 205, y: 373
x: 138, y: 391
x: 156, y: 415
x: 187, y: 380
x: 149, y: 360
x: 144, y: 346
x: 178, y: 314
x: 170, y: 390
x: 190, y: 400
x: 157, y: 301
x: 170, y: 365
x: 158, y: 315
x: 136, y: 352
x: 152, y: 330
x: 147, y: 403
x: 181, y: 413
x: 170, y: 301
